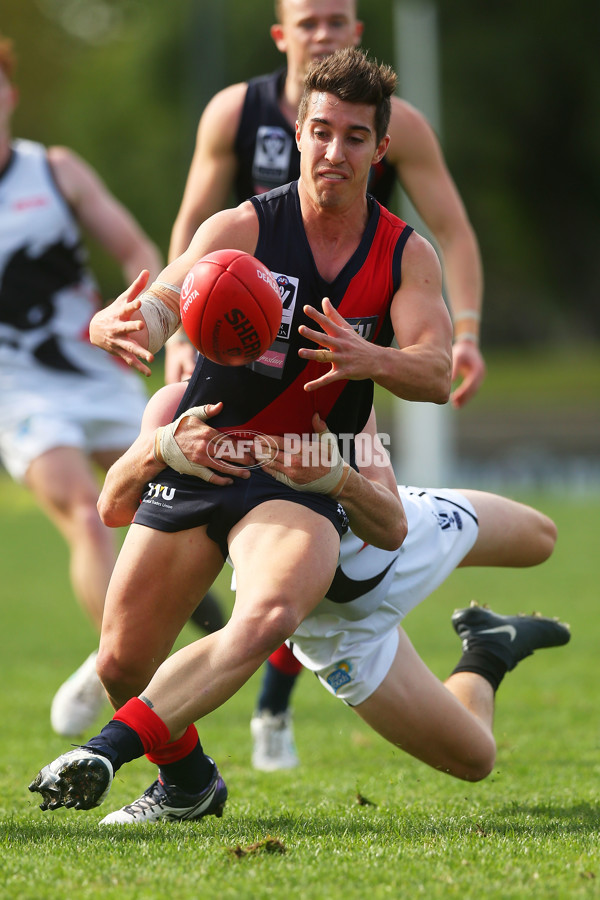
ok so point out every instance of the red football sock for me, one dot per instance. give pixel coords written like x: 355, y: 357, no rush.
x: 284, y: 661
x: 175, y: 750
x: 150, y: 728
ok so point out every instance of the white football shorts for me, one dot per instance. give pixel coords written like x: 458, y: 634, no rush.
x: 350, y: 641
x: 92, y: 414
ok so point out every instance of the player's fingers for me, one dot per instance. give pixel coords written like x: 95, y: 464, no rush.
x: 319, y: 425
x: 331, y: 312
x: 318, y: 337
x: 322, y: 381
x: 212, y: 409
x: 133, y: 362
x: 138, y: 284
x: 221, y: 480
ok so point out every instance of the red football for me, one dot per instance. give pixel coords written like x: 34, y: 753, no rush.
x: 230, y: 307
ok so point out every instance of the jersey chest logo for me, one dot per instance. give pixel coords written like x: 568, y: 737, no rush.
x: 272, y: 155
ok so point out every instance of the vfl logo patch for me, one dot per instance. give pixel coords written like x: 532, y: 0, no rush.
x: 340, y: 675
x: 272, y: 154
x: 288, y: 290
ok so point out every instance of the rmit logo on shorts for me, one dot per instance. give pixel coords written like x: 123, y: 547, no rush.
x: 245, y: 330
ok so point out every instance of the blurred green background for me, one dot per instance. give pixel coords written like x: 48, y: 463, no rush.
x: 124, y: 82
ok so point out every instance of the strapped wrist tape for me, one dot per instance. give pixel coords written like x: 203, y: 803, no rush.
x: 168, y: 451
x: 333, y: 481
x: 160, y: 309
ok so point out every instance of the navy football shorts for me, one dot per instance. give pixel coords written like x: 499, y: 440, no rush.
x: 175, y: 502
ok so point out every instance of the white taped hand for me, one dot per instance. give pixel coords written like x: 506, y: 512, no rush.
x: 333, y: 481
x: 167, y: 450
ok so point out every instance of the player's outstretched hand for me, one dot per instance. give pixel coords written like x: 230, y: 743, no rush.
x: 350, y: 355
x: 468, y: 365
x: 117, y: 330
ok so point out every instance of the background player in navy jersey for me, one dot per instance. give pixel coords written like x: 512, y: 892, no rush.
x: 246, y: 145
x: 58, y: 418
x: 353, y: 640
x: 328, y: 235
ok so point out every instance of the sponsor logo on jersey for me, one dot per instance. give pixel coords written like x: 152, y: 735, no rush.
x: 341, y: 675
x: 159, y: 495
x: 33, y: 202
x: 365, y: 326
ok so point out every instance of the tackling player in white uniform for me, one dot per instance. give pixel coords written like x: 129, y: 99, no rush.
x: 353, y: 639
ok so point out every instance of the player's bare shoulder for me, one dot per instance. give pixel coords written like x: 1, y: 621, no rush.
x: 223, y: 112
x: 411, y: 135
x: 420, y: 261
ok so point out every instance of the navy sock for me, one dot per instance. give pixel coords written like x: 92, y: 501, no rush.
x: 118, y: 742
x: 191, y: 774
x: 489, y: 666
x: 276, y: 689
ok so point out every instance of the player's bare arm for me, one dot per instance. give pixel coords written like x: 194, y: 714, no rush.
x: 102, y: 215
x: 420, y: 369
x: 213, y: 166
x: 417, y: 156
x: 155, y: 307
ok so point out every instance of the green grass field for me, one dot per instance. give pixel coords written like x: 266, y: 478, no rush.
x: 531, y: 829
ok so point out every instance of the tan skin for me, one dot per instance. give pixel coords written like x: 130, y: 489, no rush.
x: 338, y: 147
x: 446, y: 725
x: 284, y: 554
x: 306, y: 30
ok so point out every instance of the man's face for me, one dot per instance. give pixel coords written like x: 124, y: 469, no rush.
x: 311, y: 29
x: 338, y: 145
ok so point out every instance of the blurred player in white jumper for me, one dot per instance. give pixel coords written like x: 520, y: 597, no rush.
x: 65, y: 406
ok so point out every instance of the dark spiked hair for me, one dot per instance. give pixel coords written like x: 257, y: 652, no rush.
x: 352, y: 77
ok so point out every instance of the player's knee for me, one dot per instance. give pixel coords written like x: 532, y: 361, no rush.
x: 547, y: 535
x: 86, y: 522
x: 267, y: 626
x: 480, y: 764
x: 121, y: 677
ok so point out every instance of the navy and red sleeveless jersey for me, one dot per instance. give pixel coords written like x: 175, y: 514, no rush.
x: 268, y: 395
x: 265, y: 145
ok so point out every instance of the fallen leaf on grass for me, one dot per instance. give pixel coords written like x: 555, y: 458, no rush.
x: 269, y: 845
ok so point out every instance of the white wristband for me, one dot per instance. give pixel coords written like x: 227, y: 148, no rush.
x: 469, y: 336
x: 473, y: 314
